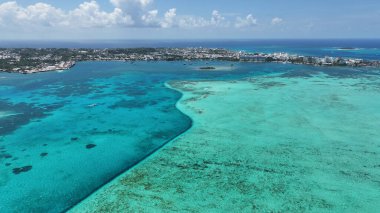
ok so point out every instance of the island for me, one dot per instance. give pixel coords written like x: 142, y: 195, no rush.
x: 347, y: 48
x: 207, y: 68
x: 32, y: 60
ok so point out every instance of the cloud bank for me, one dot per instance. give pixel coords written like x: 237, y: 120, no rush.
x: 126, y: 13
x: 248, y: 21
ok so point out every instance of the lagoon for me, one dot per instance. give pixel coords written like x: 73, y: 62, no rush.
x: 65, y: 135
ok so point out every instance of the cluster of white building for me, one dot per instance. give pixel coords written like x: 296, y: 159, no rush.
x: 299, y: 59
x: 4, y: 54
x: 43, y: 62
x: 63, y: 65
x: 159, y: 54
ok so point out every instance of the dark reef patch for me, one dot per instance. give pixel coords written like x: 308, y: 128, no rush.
x: 51, y: 107
x: 167, y: 109
x: 95, y: 131
x: 6, y: 156
x: 23, y: 113
x: 132, y: 91
x: 19, y: 170
x: 90, y: 146
x: 335, y: 72
x: 349, y: 72
x: 76, y: 89
x: 74, y: 139
x: 132, y: 104
x: 300, y: 73
x: 267, y: 85
x: 163, y: 134
x: 44, y: 154
x: 30, y: 85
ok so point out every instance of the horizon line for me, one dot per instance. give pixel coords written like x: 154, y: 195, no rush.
x: 183, y: 39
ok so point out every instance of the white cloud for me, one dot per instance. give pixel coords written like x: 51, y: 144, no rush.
x: 192, y: 22
x: 248, y: 21
x: 88, y: 14
x: 126, y: 13
x: 150, y: 18
x: 131, y: 3
x: 138, y: 10
x: 216, y: 18
x: 169, y: 18
x: 277, y: 20
x: 40, y: 13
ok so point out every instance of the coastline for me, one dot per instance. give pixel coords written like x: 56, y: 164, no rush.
x: 14, y: 60
x: 235, y: 164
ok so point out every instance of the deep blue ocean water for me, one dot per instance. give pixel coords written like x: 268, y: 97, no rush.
x: 65, y: 134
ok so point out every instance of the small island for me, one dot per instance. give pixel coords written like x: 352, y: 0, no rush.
x: 207, y: 68
x: 347, y: 48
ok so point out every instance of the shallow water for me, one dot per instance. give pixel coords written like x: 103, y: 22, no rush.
x: 270, y: 143
x: 65, y: 134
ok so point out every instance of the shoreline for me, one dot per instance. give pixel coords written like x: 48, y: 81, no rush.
x: 36, y: 60
x: 211, y: 68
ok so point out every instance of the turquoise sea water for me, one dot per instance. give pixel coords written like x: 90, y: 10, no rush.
x: 65, y: 134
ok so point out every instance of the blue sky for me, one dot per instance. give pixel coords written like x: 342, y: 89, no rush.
x: 185, y: 19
